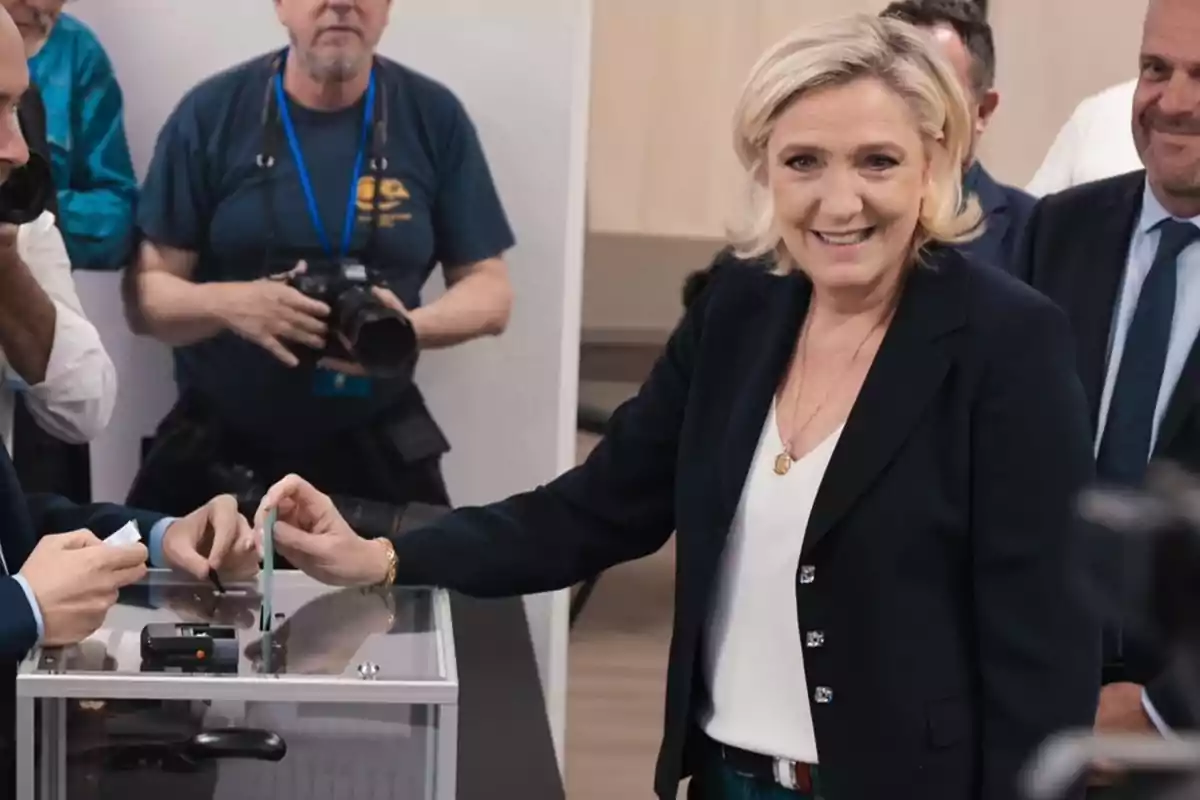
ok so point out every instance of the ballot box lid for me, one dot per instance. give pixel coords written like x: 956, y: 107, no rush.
x: 325, y: 644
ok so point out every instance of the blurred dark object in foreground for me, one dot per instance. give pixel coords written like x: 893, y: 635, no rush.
x: 1161, y: 525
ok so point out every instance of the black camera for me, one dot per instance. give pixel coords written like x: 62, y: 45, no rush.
x: 361, y: 328
x: 26, y: 193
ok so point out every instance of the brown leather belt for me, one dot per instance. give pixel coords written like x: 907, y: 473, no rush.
x: 792, y: 775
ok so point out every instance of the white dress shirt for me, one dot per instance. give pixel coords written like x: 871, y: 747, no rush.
x: 754, y: 651
x: 75, y: 400
x: 1185, y: 327
x: 1095, y: 143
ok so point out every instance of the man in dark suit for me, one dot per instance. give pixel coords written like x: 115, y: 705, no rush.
x: 961, y: 31
x: 1122, y: 257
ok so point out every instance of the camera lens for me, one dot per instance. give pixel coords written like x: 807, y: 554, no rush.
x: 381, y: 339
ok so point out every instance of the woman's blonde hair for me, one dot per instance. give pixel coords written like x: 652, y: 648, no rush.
x: 836, y: 53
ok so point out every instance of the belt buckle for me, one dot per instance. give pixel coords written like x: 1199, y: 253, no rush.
x: 785, y: 774
x: 793, y: 775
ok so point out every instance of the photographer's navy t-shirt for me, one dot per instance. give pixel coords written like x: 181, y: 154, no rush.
x: 205, y: 193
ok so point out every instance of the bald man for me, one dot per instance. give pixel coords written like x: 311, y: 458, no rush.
x: 1122, y: 257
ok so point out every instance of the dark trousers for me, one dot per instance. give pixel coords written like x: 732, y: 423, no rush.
x: 47, y: 464
x: 192, y: 454
x: 716, y: 781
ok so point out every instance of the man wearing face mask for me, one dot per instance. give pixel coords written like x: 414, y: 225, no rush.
x: 962, y: 33
x: 1122, y: 256
x: 319, y: 159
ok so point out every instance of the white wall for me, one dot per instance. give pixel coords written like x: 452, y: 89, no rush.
x: 521, y: 68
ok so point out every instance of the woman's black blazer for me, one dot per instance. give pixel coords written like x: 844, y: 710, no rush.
x: 941, y: 551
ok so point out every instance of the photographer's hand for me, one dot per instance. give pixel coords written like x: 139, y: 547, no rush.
x: 269, y: 311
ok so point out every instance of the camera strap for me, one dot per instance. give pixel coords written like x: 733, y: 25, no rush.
x: 277, y: 120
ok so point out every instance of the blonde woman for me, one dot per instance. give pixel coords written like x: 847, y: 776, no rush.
x: 868, y: 456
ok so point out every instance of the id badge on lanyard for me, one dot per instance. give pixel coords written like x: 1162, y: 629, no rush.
x: 326, y: 382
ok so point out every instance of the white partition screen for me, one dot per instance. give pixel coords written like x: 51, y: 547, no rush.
x: 521, y: 68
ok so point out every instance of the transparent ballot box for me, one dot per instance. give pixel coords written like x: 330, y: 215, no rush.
x: 351, y: 693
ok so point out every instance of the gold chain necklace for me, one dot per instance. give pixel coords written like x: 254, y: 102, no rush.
x: 784, y: 461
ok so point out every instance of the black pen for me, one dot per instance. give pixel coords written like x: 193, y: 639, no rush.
x: 216, y: 580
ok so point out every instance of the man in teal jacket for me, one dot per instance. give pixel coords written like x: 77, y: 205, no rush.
x: 89, y: 153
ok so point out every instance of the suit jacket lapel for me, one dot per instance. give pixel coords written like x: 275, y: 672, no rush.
x: 1183, y: 400
x: 909, y: 368
x: 992, y: 201
x: 16, y: 535
x: 907, y: 371
x: 1088, y: 283
x: 767, y: 345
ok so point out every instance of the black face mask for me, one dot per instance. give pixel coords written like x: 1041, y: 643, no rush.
x: 26, y: 193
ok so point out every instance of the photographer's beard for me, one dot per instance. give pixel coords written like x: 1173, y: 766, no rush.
x: 327, y: 64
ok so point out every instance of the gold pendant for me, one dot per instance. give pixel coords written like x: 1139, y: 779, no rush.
x: 783, y: 462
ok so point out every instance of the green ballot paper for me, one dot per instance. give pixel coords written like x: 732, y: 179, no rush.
x: 268, y: 569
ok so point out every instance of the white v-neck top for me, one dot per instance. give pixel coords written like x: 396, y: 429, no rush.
x: 754, y: 656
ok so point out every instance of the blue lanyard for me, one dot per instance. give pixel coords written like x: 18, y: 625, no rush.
x: 301, y: 168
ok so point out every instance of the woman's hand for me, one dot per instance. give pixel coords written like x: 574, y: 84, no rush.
x: 311, y: 534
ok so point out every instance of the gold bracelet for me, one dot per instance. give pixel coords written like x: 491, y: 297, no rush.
x: 390, y: 551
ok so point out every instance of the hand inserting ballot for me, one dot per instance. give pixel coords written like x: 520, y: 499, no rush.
x: 311, y: 534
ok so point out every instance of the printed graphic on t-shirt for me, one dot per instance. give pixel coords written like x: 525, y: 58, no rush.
x: 392, y: 196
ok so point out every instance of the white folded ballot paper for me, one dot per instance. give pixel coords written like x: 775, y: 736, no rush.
x: 128, y: 534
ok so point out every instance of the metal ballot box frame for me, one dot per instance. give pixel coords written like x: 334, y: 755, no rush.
x: 361, y: 685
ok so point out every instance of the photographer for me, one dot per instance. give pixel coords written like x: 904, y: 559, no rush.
x: 292, y: 200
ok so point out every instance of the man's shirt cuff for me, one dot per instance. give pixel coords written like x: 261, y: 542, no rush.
x: 33, y: 605
x: 155, y: 545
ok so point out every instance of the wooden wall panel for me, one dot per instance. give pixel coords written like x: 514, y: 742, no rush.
x: 667, y: 72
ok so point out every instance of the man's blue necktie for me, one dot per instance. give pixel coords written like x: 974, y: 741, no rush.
x: 1125, y: 447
